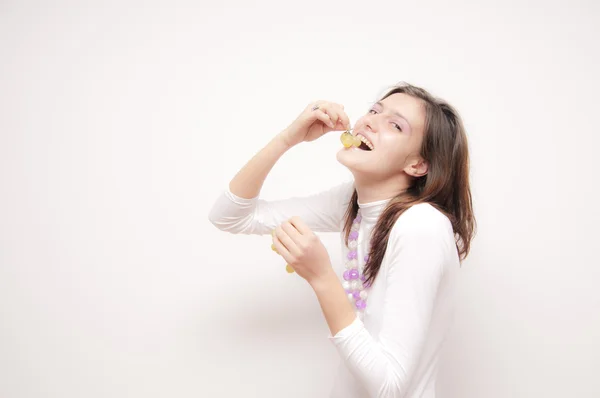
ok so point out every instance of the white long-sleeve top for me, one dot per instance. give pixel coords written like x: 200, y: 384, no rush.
x: 393, y: 350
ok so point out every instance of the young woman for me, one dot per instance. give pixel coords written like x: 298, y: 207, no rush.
x: 406, y: 222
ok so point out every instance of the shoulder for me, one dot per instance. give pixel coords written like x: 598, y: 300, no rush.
x: 422, y: 240
x: 347, y: 187
x: 424, y: 235
x: 340, y: 192
x: 343, y: 191
x: 424, y: 220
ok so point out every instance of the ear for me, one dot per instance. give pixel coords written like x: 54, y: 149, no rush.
x: 417, y: 168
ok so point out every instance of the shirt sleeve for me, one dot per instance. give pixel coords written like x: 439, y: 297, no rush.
x: 322, y: 211
x: 421, y: 243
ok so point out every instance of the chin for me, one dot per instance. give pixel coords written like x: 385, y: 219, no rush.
x: 342, y: 157
x: 352, y: 163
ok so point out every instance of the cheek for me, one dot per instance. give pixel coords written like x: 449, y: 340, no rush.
x: 395, y: 151
x: 395, y: 144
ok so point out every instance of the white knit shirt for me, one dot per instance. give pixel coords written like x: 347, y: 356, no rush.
x: 394, y: 350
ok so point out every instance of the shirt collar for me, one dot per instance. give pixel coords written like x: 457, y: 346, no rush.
x: 371, y: 211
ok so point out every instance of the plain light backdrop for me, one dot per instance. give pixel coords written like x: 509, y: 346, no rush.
x: 121, y: 122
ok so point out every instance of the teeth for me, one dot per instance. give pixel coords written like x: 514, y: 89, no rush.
x: 366, y: 141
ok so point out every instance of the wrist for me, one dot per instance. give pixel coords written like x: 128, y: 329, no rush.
x: 284, y: 140
x: 325, y: 282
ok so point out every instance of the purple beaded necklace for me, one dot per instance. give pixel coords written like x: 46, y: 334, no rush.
x: 354, y: 282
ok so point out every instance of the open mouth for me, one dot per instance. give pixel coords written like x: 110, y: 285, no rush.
x: 364, y: 147
x: 365, y: 144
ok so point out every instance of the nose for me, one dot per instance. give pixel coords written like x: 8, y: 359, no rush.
x: 369, y: 123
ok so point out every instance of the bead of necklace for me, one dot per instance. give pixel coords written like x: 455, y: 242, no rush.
x: 354, y: 280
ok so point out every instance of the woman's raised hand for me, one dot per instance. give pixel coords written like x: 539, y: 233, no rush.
x: 316, y: 119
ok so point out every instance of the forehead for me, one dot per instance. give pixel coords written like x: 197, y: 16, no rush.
x: 411, y: 108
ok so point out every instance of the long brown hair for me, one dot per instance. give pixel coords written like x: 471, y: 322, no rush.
x: 445, y: 186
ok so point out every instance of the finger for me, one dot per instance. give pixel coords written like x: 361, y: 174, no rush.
x: 324, y: 117
x: 331, y: 110
x: 300, y: 226
x: 293, y: 234
x: 289, y: 244
x: 342, y: 119
x: 341, y: 125
x: 315, y: 103
x: 345, y: 120
x: 281, y: 249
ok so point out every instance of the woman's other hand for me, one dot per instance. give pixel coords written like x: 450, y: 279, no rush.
x: 302, y: 249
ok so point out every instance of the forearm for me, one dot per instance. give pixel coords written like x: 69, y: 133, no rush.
x: 248, y: 182
x: 334, y: 302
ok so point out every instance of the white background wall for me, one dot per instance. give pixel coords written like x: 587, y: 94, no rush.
x: 120, y: 123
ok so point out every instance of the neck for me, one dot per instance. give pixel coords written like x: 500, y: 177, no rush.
x: 370, y: 190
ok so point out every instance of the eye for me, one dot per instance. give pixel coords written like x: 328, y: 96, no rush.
x: 395, y: 124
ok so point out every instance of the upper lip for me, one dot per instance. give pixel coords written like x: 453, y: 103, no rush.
x: 367, y: 137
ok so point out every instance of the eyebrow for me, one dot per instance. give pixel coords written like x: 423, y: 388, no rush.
x: 395, y: 113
